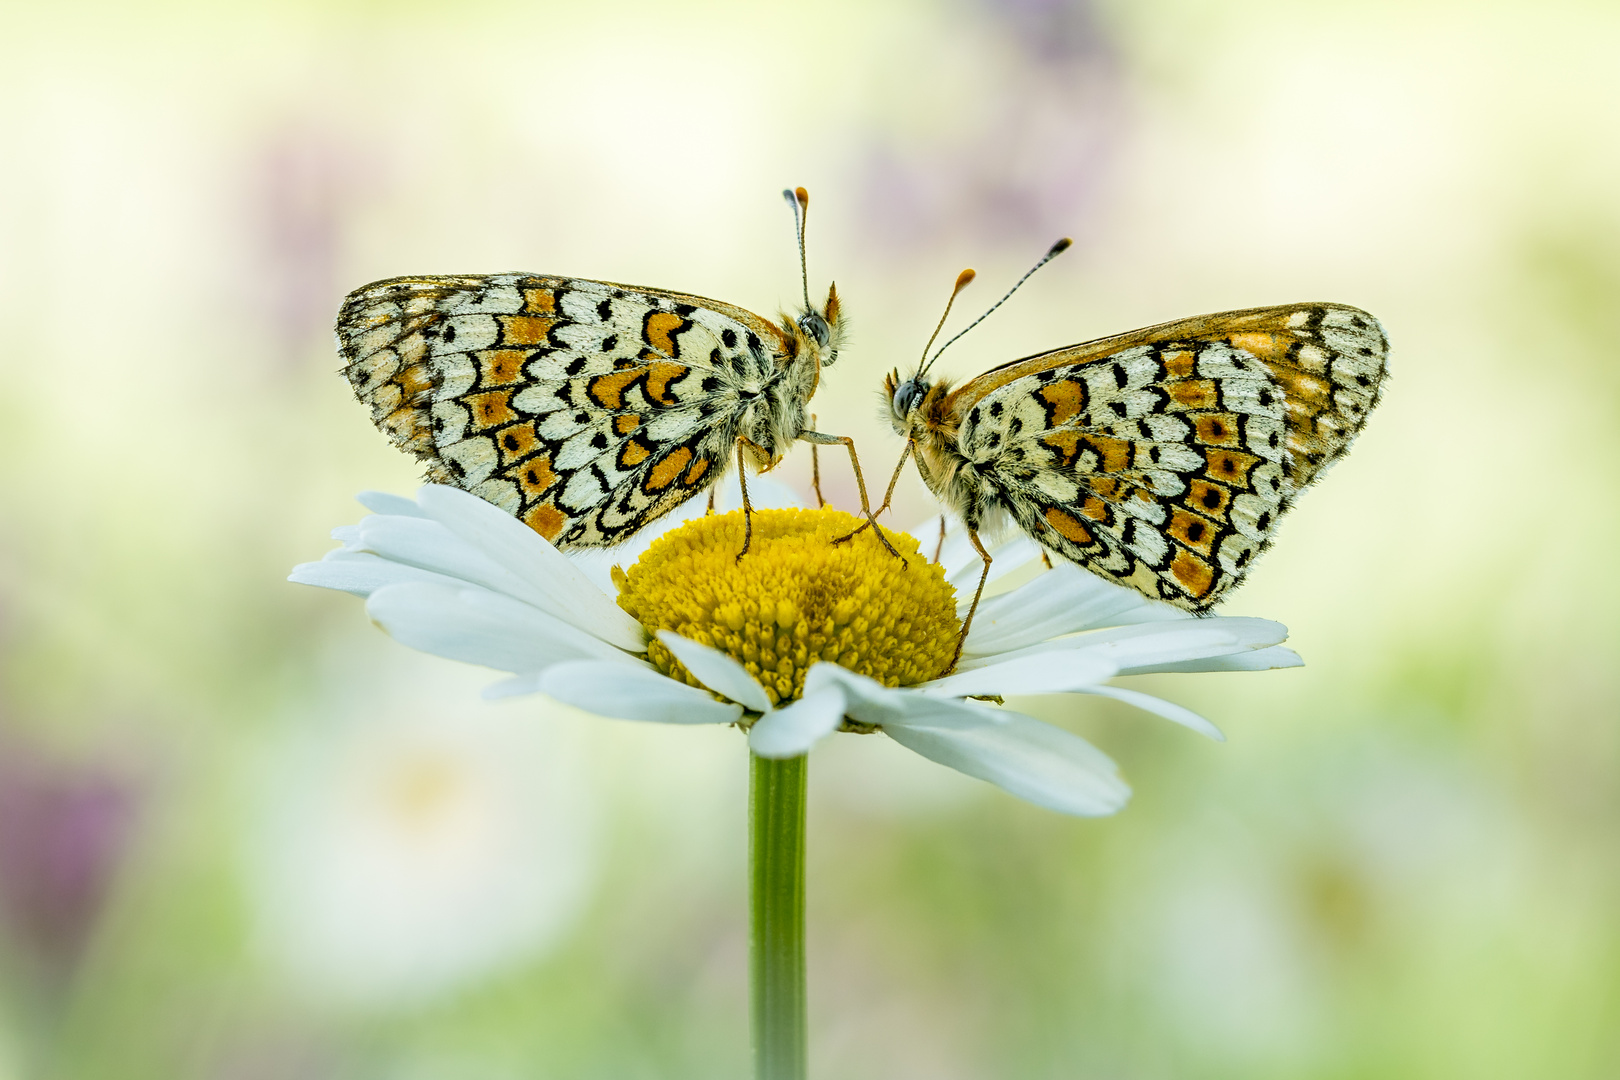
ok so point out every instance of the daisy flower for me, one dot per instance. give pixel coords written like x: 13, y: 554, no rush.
x: 799, y: 639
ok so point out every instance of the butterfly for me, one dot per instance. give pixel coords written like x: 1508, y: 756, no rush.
x: 585, y: 408
x: 1160, y: 459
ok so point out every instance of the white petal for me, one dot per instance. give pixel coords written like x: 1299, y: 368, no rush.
x: 789, y: 732
x: 870, y: 702
x: 962, y: 563
x: 360, y: 573
x: 476, y: 626
x: 630, y: 693
x: 956, y: 555
x: 1159, y: 707
x: 552, y: 582
x: 1131, y: 647
x: 1037, y: 762
x: 867, y: 700
x: 717, y: 671
x: 1005, y: 557
x: 1064, y: 600
x: 429, y: 545
x: 346, y: 534
x: 1176, y: 642
x: 1046, y: 673
x: 1277, y: 656
x: 423, y: 542
x: 380, y: 502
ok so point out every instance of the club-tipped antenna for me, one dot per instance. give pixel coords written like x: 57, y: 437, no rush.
x: 962, y: 281
x: 1057, y: 249
x: 799, y: 199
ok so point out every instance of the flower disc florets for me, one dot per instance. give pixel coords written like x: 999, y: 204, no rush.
x: 794, y: 599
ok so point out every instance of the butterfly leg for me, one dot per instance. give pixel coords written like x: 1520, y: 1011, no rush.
x: 710, y: 511
x: 815, y: 468
x: 967, y: 623
x: 939, y: 548
x: 815, y: 437
x: 748, y: 507
x: 871, y: 518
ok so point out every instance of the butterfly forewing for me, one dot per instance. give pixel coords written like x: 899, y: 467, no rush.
x: 583, y: 407
x: 1163, y: 458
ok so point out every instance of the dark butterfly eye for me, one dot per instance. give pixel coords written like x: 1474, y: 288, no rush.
x: 905, y: 396
x: 815, y: 328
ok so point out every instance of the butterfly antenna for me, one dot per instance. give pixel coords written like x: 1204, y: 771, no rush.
x: 1057, y: 249
x: 799, y: 199
x: 962, y: 280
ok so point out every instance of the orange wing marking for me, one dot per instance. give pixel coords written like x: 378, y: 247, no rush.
x: 518, y: 442
x: 659, y: 376
x: 659, y: 331
x: 535, y: 477
x: 490, y: 409
x: 546, y: 520
x: 525, y: 329
x: 664, y: 473
x: 1064, y: 400
x: 1194, y: 574
x: 500, y: 367
x: 1230, y: 466
x: 1193, y: 531
x: 1068, y: 526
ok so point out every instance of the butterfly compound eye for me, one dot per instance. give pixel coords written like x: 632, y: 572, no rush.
x: 815, y: 328
x: 905, y: 396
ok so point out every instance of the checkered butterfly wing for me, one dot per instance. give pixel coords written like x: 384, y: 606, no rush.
x: 585, y: 408
x: 1163, y: 458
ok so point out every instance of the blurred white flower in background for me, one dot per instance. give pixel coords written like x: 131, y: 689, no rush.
x: 422, y: 841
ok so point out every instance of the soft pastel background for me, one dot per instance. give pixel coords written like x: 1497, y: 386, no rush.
x: 244, y: 836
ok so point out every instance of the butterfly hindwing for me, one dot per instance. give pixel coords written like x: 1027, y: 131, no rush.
x: 585, y: 408
x: 1162, y: 459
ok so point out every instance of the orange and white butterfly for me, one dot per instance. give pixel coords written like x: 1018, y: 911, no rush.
x: 1160, y: 459
x: 586, y: 408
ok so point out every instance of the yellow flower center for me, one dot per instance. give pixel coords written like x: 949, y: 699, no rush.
x: 794, y: 599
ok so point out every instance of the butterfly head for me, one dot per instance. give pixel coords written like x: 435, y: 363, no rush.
x: 822, y: 327
x: 905, y: 398
x: 817, y: 327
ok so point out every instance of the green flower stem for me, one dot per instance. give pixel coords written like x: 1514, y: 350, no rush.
x: 776, y: 917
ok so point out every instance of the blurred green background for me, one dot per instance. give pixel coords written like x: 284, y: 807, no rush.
x: 245, y: 836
